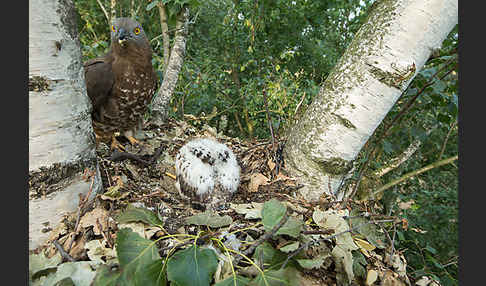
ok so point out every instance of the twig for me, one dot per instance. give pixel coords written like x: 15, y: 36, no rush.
x: 263, y: 238
x: 100, y: 227
x: 104, y: 11
x: 254, y: 146
x: 388, y: 237
x: 106, y: 172
x: 299, y: 104
x: 118, y: 156
x: 190, y: 241
x: 268, y: 118
x: 327, y: 231
x: 416, y: 172
x: 81, y: 205
x: 63, y: 253
x: 447, y: 138
x: 393, y: 239
x: 305, y: 245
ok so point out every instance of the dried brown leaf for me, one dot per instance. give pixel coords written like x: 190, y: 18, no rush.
x: 256, y: 180
x: 89, y: 219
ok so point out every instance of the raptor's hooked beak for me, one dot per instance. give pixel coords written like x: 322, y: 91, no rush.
x: 122, y: 36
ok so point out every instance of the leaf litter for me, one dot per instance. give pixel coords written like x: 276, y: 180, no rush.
x: 141, y: 229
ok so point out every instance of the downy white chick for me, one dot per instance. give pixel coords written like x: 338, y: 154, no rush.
x: 207, y: 172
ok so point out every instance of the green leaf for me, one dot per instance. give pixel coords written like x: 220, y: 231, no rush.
x: 419, y: 132
x: 431, y: 249
x: 139, y: 259
x: 271, y: 256
x: 105, y: 276
x: 273, y: 211
x: 387, y: 147
x: 39, y: 262
x: 282, y: 277
x: 439, y: 86
x: 234, y: 281
x: 359, y: 264
x: 193, y: 266
x: 80, y: 273
x: 290, y: 247
x: 292, y: 227
x: 311, y: 263
x: 65, y: 282
x: 132, y: 214
x: 370, y: 231
x: 210, y: 219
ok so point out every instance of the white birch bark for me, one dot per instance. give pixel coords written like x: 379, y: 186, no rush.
x: 383, y: 58
x: 61, y: 140
x: 160, y: 104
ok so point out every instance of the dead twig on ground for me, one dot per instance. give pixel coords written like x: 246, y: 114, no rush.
x: 263, y: 238
x: 63, y: 253
x: 105, y: 236
x: 81, y: 205
x: 118, y: 156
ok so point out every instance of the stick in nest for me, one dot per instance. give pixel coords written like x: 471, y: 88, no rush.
x: 263, y: 238
x: 118, y: 156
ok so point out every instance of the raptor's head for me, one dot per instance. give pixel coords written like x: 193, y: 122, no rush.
x: 128, y: 33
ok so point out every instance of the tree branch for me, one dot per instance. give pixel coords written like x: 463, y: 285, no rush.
x: 416, y: 172
x: 402, y: 112
x: 112, y: 10
x: 160, y: 104
x: 446, y: 139
x: 165, y: 33
x: 407, y: 154
x: 104, y: 10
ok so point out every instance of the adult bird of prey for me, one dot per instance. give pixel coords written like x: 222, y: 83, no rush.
x: 122, y: 83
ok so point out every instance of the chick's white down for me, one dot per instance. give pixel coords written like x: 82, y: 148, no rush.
x: 204, y: 166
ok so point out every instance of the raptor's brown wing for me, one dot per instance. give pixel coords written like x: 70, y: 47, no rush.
x: 99, y: 81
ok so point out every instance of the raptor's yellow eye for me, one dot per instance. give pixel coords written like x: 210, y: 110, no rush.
x: 113, y: 28
x: 136, y: 30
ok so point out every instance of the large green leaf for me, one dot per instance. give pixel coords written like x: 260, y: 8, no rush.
x: 282, y: 277
x: 234, y: 281
x: 272, y: 257
x: 273, y: 211
x: 132, y: 214
x: 210, y: 219
x: 193, y: 266
x: 292, y: 227
x: 139, y: 259
x: 105, y: 276
x: 78, y: 273
x: 40, y: 263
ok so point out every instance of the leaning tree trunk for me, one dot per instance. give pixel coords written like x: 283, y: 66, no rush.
x: 160, y: 104
x: 383, y: 58
x: 61, y: 140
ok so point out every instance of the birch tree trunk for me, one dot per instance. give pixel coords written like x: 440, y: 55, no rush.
x: 61, y: 140
x: 112, y: 10
x: 160, y: 104
x: 165, y: 33
x: 381, y: 61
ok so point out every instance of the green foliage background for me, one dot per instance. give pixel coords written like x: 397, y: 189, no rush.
x: 236, y: 49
